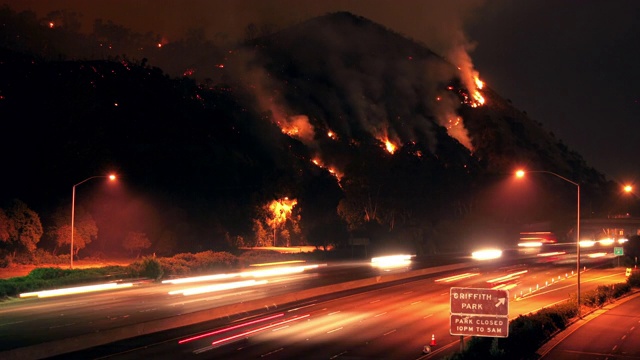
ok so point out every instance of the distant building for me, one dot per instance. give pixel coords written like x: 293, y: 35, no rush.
x: 616, y: 227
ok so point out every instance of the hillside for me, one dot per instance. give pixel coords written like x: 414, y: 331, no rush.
x: 372, y: 134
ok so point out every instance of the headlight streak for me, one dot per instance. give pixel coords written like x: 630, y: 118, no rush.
x: 487, y: 254
x: 230, y: 328
x: 597, y: 255
x: 279, y: 263
x: 504, y: 286
x: 606, y: 242
x: 272, y: 272
x: 217, y: 287
x: 201, y: 278
x: 278, y: 271
x: 283, y: 270
x: 391, y: 261
x: 530, y: 244
x: 587, y: 243
x: 507, y: 277
x: 457, y: 277
x: 76, y: 290
x: 555, y: 253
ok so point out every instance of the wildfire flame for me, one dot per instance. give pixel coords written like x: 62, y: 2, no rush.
x: 478, y: 99
x: 297, y: 126
x: 289, y: 130
x: 282, y: 209
x: 389, y: 146
x: 331, y: 170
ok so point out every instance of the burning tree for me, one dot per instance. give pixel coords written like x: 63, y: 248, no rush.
x: 276, y: 218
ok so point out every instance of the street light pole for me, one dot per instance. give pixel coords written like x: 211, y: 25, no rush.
x: 73, y: 206
x: 520, y: 173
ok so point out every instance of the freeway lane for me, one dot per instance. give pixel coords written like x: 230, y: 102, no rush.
x: 31, y: 320
x: 389, y: 323
x: 612, y: 333
x: 34, y: 321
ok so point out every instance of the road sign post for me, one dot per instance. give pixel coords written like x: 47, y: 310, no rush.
x: 479, y: 312
x: 618, y: 251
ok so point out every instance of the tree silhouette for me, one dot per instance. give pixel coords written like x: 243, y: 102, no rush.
x: 24, y: 228
x: 136, y: 242
x: 86, y: 229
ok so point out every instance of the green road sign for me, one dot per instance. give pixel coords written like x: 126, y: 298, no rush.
x: 618, y: 251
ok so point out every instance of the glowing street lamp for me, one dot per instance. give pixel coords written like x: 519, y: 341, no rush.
x: 73, y: 205
x: 520, y: 174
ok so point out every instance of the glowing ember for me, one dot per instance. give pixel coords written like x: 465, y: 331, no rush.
x: 478, y: 99
x: 455, y: 122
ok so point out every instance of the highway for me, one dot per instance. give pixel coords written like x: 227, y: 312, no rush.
x: 392, y: 322
x: 610, y: 333
x: 33, y: 321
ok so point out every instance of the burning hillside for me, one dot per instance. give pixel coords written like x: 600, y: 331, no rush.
x: 365, y: 129
x: 368, y: 86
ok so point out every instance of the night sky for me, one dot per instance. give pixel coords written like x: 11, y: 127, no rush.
x: 571, y: 65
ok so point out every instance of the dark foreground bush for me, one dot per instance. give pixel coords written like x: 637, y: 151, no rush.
x: 634, y: 279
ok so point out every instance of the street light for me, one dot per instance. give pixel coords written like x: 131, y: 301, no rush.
x: 520, y: 174
x: 73, y: 205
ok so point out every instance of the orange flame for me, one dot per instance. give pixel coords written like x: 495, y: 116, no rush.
x: 338, y: 175
x: 288, y: 129
x: 282, y: 209
x: 478, y: 99
x: 391, y: 148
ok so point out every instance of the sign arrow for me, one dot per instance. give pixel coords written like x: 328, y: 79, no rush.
x: 501, y: 301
